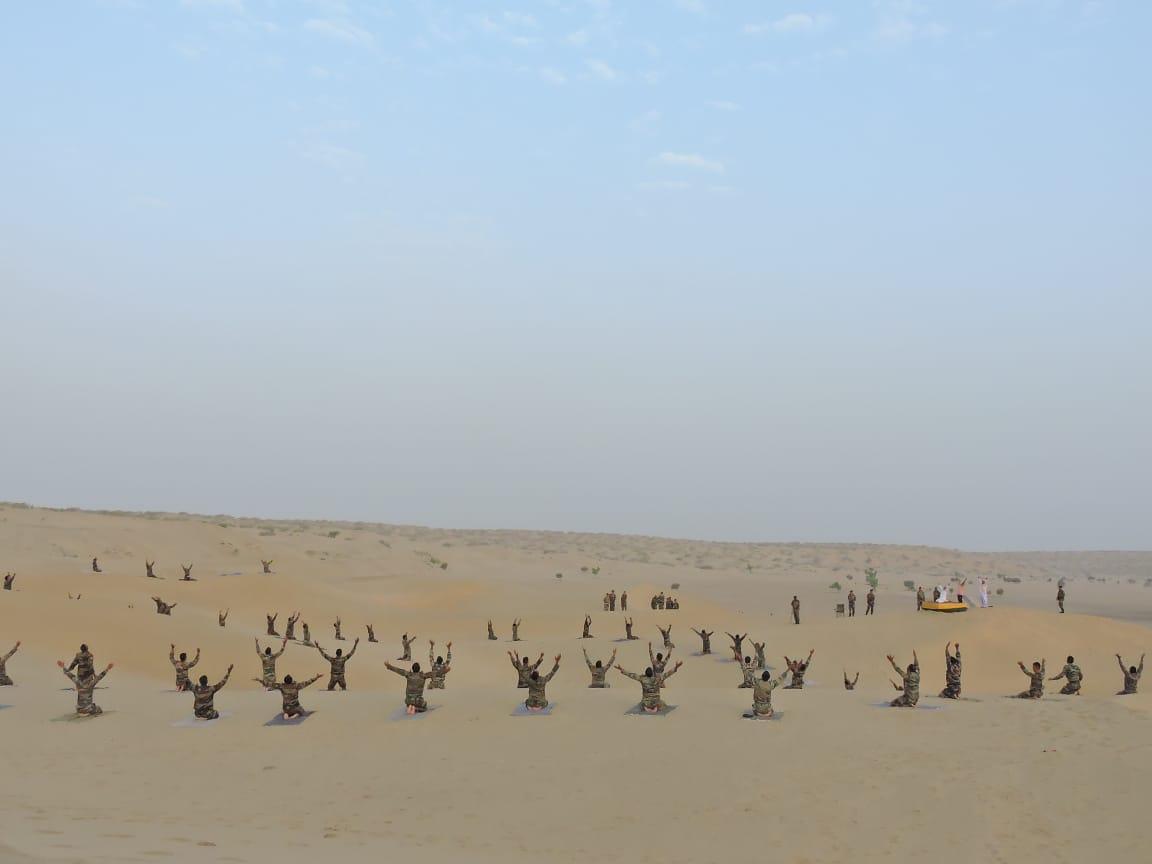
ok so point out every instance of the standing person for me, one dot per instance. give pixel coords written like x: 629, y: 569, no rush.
x: 952, y: 671
x: 795, y: 609
x: 272, y: 624
x: 524, y: 667
x: 659, y: 661
x: 1072, y: 674
x: 761, y: 662
x: 204, y: 694
x: 762, y: 688
x: 606, y: 600
x: 612, y: 600
x: 222, y: 617
x: 624, y: 601
x: 870, y: 601
x: 438, y: 665
x: 537, y: 698
x: 587, y: 627
x: 1036, y: 689
x: 290, y: 627
x: 651, y: 684
x: 408, y: 640
x: 628, y: 630
x: 666, y: 634
x: 5, y: 681
x: 290, y: 694
x: 414, y: 686
x: 268, y: 662
x: 491, y: 632
x: 705, y: 639
x: 85, y: 689
x: 983, y: 593
x: 336, y: 626
x: 1131, y: 674
x: 919, y: 598
x: 336, y: 674
x: 737, y: 645
x: 599, y: 670
x: 798, y: 668
x: 910, y: 685
x: 182, y: 666
x: 1060, y: 597
x: 851, y: 603
x: 850, y: 684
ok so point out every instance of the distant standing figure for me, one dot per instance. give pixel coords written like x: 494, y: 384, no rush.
x: 267, y: 565
x: 612, y: 600
x: 920, y: 598
x: 148, y: 565
x: 851, y: 603
x: 439, y: 666
x: 599, y: 670
x: 371, y: 633
x: 651, y: 684
x: 336, y: 675
x: 587, y: 627
x: 85, y: 690
x: 414, y: 686
x: 290, y: 694
x: 187, y: 573
x: 182, y: 665
x: 606, y: 600
x: 491, y: 632
x: 204, y: 694
x: 5, y: 681
x: 850, y: 683
x: 524, y: 667
x: 960, y: 590
x: 272, y: 624
x: 163, y: 608
x: 336, y: 627
x: 798, y: 668
x: 952, y: 669
x: 1060, y: 598
x: 222, y: 617
x: 983, y: 593
x: 408, y: 640
x: 1072, y: 675
x: 268, y: 662
x: 628, y: 630
x: 870, y: 601
x: 795, y: 609
x: 537, y: 697
x: 96, y: 566
x: 666, y: 634
x: 1036, y: 690
x: 705, y: 639
x: 1131, y: 674
x: 911, y: 683
x: 516, y: 630
x: 624, y: 601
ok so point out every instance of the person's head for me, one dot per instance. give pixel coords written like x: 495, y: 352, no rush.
x: 525, y: 662
x: 659, y: 656
x: 339, y: 652
x: 648, y: 672
x: 911, y: 667
x: 802, y: 665
x: 268, y: 651
x: 415, y: 667
x: 599, y: 664
x: 203, y: 680
x: 535, y: 675
x: 1132, y: 669
x: 766, y: 676
x: 439, y: 660
x: 747, y: 659
x: 1036, y: 665
x: 183, y: 655
x: 84, y: 649
x: 288, y: 679
x: 1071, y: 659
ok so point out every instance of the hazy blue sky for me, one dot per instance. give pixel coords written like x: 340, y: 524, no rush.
x: 753, y: 269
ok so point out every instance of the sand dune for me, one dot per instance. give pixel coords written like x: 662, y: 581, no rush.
x: 835, y: 779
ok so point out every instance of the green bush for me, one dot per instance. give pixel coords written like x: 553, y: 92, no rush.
x: 835, y: 586
x: 909, y: 584
x: 871, y: 578
x: 999, y: 592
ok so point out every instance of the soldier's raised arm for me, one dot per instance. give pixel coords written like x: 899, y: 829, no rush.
x: 220, y: 684
x: 283, y: 647
x: 354, y: 646
x: 195, y: 659
x: 309, y: 682
x: 395, y: 669
x: 8, y: 656
x: 627, y: 674
x: 672, y: 671
x: 172, y: 654
x: 67, y: 670
x: 322, y: 654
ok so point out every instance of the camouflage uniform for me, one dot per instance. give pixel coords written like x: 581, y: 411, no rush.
x: 408, y: 645
x: 1036, y: 690
x: 658, y: 663
x: 737, y: 645
x: 795, y: 611
x: 5, y: 681
x: 952, y: 677
x: 182, y: 667
x: 222, y: 618
x: 515, y: 631
x: 851, y: 604
x: 587, y: 628
x: 307, y: 640
x: 1072, y: 674
x: 650, y: 687
x: 268, y: 661
x: 624, y: 602
x: 761, y: 662
x: 524, y: 671
x: 536, y: 696
x: 749, y: 672
x: 290, y: 627
x: 336, y: 674
x: 706, y: 639
x: 491, y: 632
x: 203, y: 707
x: 599, y: 673
x: 371, y: 633
x: 762, y: 695
x: 414, y: 688
x: 850, y: 684
x: 1131, y: 679
x: 667, y: 636
x: 336, y: 626
x: 911, y: 694
x: 85, y: 688
x: 628, y: 629
x: 84, y: 664
x: 436, y: 682
x: 870, y: 599
x: 8, y: 580
x: 798, y: 668
x: 919, y: 599
x: 1060, y: 598
x: 290, y: 693
x: 272, y: 624
x: 163, y: 608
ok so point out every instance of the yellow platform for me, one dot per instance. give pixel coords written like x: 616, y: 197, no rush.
x: 933, y: 606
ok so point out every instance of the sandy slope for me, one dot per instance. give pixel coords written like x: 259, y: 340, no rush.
x: 836, y: 779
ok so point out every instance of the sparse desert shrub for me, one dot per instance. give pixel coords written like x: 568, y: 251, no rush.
x: 999, y: 592
x: 835, y: 586
x: 333, y: 534
x: 595, y: 571
x: 583, y: 569
x: 871, y: 577
x: 909, y: 584
x: 559, y: 575
x: 675, y: 586
x: 443, y: 565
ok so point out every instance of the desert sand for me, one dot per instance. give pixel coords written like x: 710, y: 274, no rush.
x: 835, y: 779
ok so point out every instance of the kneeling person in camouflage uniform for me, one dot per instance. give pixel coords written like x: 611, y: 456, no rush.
x: 1036, y: 689
x: 952, y: 669
x: 85, y: 688
x: 651, y: 684
x: 537, y: 700
x: 599, y: 671
x: 414, y: 687
x: 910, y: 685
x: 336, y: 675
x: 290, y: 693
x: 204, y: 694
x: 1072, y: 675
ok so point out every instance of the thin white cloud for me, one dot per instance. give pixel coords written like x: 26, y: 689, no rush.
x: 691, y: 160
x: 340, y: 30
x: 601, y: 70
x: 696, y: 7
x: 724, y: 105
x: 794, y: 22
x: 905, y: 20
x: 226, y: 5
x: 553, y: 76
x: 578, y: 37
x: 666, y: 185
